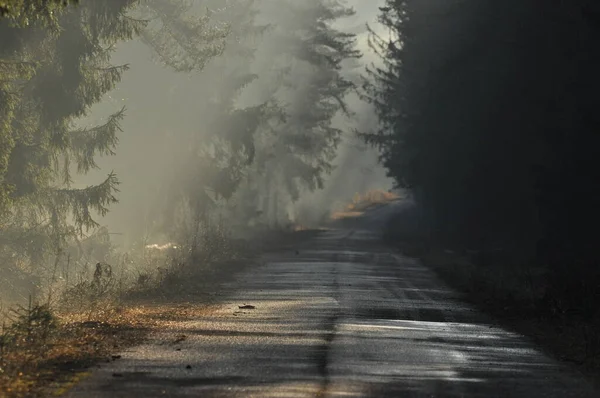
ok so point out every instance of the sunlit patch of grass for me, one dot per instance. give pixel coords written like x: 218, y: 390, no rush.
x: 38, y: 358
x: 32, y: 366
x: 362, y: 202
x: 338, y: 215
x: 370, y: 198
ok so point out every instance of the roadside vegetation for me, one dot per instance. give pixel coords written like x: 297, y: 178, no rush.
x: 76, y: 323
x: 488, y: 118
x: 362, y: 202
x: 47, y: 346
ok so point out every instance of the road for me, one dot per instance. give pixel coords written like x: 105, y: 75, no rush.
x: 338, y: 316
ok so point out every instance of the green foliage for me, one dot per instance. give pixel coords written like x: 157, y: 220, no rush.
x: 54, y: 66
x: 24, y: 12
x: 487, y: 113
x: 30, y: 325
x: 308, y: 135
x: 436, y: 91
x: 297, y: 144
x: 183, y: 38
x: 87, y: 143
x: 81, y: 202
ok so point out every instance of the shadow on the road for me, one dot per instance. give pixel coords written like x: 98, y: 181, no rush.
x: 282, y: 364
x: 340, y: 317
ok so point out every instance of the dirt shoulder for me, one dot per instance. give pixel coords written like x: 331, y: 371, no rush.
x: 44, y: 352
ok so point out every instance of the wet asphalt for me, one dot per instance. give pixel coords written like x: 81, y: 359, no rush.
x: 341, y: 315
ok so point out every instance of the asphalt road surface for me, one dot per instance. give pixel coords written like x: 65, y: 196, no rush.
x: 339, y: 316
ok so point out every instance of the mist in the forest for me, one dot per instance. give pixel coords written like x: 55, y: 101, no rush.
x: 138, y: 125
x: 167, y: 110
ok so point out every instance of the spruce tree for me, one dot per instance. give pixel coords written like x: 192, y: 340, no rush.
x: 311, y: 89
x: 184, y: 35
x: 217, y: 155
x: 25, y: 11
x: 52, y: 73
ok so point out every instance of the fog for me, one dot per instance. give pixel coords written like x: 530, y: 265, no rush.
x: 163, y: 162
x: 167, y: 112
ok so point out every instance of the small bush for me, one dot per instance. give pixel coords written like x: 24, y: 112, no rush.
x: 25, y: 338
x: 33, y: 324
x: 88, y: 296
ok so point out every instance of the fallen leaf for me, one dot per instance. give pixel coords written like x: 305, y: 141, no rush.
x: 246, y: 307
x: 180, y: 338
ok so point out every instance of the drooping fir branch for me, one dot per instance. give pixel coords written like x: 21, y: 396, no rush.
x: 385, y: 87
x: 101, y: 80
x: 81, y: 203
x: 101, y: 140
x: 7, y: 142
x: 25, y: 12
x: 119, y: 27
x: 12, y: 70
x: 181, y: 40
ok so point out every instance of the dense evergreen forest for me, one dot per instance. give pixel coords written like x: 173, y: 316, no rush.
x: 145, y: 143
x: 488, y: 115
x: 263, y: 100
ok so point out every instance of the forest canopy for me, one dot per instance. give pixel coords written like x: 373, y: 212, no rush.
x: 269, y: 112
x: 487, y: 114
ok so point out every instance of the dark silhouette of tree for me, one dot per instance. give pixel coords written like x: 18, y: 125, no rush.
x: 487, y: 114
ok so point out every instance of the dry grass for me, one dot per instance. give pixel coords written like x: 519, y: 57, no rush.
x: 43, y: 352
x: 370, y: 198
x: 33, y: 366
x: 44, y: 349
x: 36, y: 368
x: 362, y: 202
x: 339, y: 215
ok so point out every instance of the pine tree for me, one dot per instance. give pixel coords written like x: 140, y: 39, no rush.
x: 386, y: 87
x: 311, y: 89
x: 185, y: 35
x: 52, y: 73
x: 25, y: 11
x: 431, y: 92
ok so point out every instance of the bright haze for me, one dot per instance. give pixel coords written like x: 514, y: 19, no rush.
x: 167, y: 110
